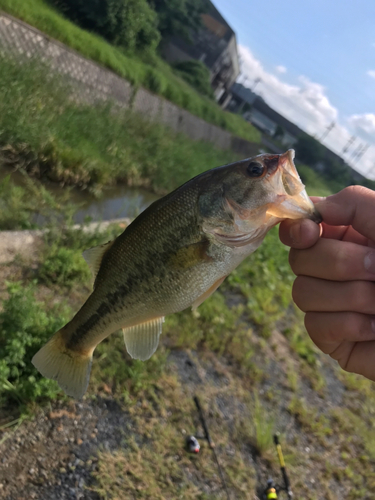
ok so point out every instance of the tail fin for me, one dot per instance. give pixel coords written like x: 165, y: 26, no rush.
x: 70, y: 369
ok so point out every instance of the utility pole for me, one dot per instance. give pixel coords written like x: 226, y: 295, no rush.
x: 327, y: 131
x: 256, y: 81
x: 361, y: 153
x: 357, y: 151
x: 348, y: 144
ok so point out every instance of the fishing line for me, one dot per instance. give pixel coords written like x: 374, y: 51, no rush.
x: 211, y: 444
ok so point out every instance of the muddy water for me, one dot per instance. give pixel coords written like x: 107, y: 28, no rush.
x: 114, y: 202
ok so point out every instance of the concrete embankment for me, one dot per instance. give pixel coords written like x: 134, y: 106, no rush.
x: 28, y: 243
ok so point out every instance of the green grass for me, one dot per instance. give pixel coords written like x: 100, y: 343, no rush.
x: 21, y: 203
x: 151, y: 72
x: 25, y: 325
x: 43, y: 132
x: 316, y: 185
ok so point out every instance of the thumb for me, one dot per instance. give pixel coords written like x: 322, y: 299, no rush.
x: 301, y: 233
x: 353, y: 206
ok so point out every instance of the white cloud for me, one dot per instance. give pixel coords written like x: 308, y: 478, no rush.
x: 371, y: 73
x: 307, y: 105
x: 364, y: 126
x: 281, y: 69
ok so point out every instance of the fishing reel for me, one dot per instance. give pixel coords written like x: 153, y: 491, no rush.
x: 270, y: 493
x: 192, y: 444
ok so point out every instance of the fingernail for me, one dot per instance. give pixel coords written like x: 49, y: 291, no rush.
x: 320, y: 200
x: 369, y: 262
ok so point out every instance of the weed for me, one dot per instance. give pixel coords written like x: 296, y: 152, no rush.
x: 292, y: 377
x: 263, y: 427
x: 126, y: 376
x: 265, y: 279
x: 43, y: 132
x: 63, y: 266
x: 25, y: 325
x: 301, y: 343
x: 22, y: 205
x: 317, y: 425
x: 257, y: 428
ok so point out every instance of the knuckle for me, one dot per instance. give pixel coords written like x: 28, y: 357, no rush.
x: 340, y: 262
x: 353, y: 191
x: 312, y: 325
x: 294, y: 257
x: 300, y: 291
x: 363, y: 296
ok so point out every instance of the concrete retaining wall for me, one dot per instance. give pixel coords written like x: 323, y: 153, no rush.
x: 29, y: 243
x: 91, y: 82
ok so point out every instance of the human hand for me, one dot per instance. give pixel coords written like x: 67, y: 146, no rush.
x: 335, y: 284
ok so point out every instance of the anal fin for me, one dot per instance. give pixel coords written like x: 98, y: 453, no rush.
x: 142, y: 340
x: 207, y: 293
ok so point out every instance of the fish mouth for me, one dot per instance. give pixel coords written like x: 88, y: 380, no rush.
x: 291, y: 201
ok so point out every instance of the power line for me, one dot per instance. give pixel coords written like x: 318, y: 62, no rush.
x: 348, y: 144
x: 327, y: 131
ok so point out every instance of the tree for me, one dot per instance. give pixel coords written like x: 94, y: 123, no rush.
x: 179, y: 17
x: 279, y: 133
x: 337, y: 171
x: 131, y: 24
x: 197, y: 75
x: 309, y: 150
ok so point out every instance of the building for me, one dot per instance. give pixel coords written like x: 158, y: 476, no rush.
x: 215, y: 45
x: 255, y: 110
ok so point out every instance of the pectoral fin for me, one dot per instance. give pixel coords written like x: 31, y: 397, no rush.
x: 191, y: 255
x: 207, y: 293
x: 142, y: 340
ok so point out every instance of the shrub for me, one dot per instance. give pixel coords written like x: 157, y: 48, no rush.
x: 128, y: 23
x: 64, y: 266
x: 197, y: 75
x: 25, y: 325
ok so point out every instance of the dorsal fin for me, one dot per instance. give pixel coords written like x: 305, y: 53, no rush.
x: 94, y: 256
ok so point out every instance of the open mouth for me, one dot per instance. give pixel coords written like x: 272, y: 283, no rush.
x: 291, y: 201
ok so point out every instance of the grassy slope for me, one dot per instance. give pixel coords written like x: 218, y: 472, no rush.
x: 151, y: 72
x: 44, y: 133
x: 47, y: 135
x: 250, y: 362
x: 253, y: 364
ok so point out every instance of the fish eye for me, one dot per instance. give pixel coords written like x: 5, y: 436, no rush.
x: 255, y: 169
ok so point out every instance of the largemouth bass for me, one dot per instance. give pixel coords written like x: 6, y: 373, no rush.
x: 174, y: 255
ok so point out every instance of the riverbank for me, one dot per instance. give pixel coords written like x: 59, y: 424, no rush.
x: 46, y: 133
x: 139, y: 69
x: 244, y: 352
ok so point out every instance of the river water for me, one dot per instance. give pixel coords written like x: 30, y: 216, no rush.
x: 115, y: 202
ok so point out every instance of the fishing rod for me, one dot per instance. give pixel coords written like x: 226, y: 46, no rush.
x: 287, y: 486
x: 210, y: 444
x: 271, y: 491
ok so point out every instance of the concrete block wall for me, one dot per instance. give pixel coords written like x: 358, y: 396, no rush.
x: 91, y: 83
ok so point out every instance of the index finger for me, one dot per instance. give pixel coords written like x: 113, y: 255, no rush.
x: 353, y: 206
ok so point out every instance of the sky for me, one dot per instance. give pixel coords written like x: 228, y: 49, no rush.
x: 316, y: 61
